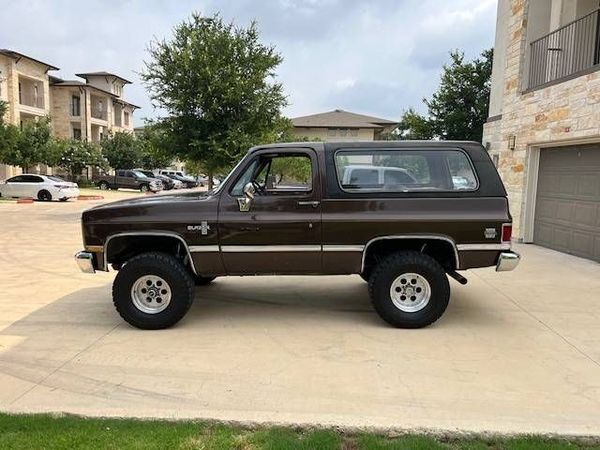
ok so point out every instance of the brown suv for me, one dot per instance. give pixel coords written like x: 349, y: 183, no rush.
x: 402, y: 215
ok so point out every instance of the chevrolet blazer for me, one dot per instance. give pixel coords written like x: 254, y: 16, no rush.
x: 403, y: 215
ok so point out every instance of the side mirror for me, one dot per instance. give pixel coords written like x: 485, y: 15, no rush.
x: 246, y: 201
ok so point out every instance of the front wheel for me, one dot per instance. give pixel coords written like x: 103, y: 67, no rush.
x: 104, y: 186
x: 409, y: 290
x: 144, y: 188
x: 153, y: 291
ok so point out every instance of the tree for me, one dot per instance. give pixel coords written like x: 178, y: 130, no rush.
x: 8, y: 135
x: 154, y: 145
x: 29, y: 146
x: 121, y: 150
x: 459, y: 108
x: 76, y: 155
x: 216, y: 82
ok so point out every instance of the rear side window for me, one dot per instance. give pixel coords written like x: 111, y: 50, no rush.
x: 404, y: 170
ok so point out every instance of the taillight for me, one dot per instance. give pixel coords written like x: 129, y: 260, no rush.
x: 506, y: 233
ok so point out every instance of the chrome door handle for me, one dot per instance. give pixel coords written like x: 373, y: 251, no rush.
x: 314, y: 203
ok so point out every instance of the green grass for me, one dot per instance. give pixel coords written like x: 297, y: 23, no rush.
x: 69, y: 432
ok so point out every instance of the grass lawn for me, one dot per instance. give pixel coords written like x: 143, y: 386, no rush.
x: 69, y: 432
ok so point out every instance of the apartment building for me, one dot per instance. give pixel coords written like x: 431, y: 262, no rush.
x: 88, y: 109
x: 543, y: 129
x: 339, y: 125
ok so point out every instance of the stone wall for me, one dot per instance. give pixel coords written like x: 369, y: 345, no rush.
x: 567, y: 111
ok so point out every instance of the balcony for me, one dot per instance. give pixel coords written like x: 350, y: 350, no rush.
x: 567, y: 52
x: 31, y: 92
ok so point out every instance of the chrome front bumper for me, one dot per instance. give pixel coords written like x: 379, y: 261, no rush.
x: 85, y: 261
x: 507, y: 261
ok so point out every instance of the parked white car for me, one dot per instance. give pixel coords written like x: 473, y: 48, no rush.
x: 41, y: 187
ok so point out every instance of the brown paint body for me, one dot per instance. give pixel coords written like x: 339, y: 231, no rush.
x: 292, y: 234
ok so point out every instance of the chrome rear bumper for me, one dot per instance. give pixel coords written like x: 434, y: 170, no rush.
x: 85, y: 261
x: 507, y: 261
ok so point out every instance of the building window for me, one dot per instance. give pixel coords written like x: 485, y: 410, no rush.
x: 343, y: 131
x: 20, y: 93
x: 35, y: 95
x: 126, y: 118
x: 354, y: 132
x: 331, y: 132
x: 496, y: 159
x: 77, y: 133
x: 75, y: 105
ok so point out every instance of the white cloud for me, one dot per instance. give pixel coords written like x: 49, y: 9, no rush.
x: 377, y: 57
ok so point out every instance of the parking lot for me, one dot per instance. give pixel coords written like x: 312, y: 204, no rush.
x: 515, y: 352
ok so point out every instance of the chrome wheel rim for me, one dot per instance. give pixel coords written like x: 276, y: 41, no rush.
x: 144, y: 188
x: 410, y: 292
x: 151, y: 294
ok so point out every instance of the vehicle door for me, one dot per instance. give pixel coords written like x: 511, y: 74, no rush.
x: 12, y: 186
x: 30, y: 186
x: 121, y: 178
x: 276, y: 226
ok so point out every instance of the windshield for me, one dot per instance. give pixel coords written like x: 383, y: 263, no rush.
x: 139, y: 174
x: 224, y: 182
x: 146, y: 173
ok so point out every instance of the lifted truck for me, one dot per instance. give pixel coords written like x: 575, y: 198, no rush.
x: 296, y: 209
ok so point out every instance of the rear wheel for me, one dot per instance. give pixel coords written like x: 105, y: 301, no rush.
x: 153, y: 291
x: 409, y: 290
x: 44, y: 195
x: 104, y: 186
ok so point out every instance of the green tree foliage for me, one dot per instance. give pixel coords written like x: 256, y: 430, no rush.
x: 122, y: 151
x: 8, y: 135
x: 76, y: 155
x: 155, y: 143
x: 216, y: 82
x: 29, y: 146
x: 459, y: 108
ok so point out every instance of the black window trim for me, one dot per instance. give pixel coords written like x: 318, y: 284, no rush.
x: 351, y: 150
x: 283, y: 151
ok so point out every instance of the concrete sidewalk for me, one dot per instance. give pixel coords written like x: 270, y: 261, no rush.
x: 515, y: 352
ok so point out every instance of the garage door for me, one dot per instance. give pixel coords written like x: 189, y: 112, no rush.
x: 567, y: 211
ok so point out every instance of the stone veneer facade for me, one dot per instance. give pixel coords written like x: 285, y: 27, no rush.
x: 564, y: 113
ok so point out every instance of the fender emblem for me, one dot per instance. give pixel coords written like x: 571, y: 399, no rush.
x: 202, y: 228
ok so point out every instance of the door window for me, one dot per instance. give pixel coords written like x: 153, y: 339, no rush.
x: 277, y: 175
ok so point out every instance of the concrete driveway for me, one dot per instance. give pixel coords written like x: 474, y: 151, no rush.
x: 515, y: 352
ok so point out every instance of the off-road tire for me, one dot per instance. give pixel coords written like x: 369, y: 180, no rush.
x: 390, y: 269
x: 203, y: 281
x: 44, y: 196
x: 168, y: 268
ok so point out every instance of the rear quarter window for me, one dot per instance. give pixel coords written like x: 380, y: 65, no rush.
x: 404, y: 170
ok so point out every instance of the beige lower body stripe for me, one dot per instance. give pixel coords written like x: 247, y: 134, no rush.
x: 469, y: 247
x: 269, y: 248
x: 204, y: 248
x: 343, y: 248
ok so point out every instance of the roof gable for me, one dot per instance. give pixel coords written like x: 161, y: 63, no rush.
x: 340, y: 119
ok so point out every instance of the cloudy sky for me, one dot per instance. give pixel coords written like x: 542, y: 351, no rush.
x: 376, y: 57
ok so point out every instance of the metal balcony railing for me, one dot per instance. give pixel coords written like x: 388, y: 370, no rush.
x: 571, y: 49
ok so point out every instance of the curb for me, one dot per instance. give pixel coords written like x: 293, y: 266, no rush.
x: 90, y: 197
x: 25, y: 200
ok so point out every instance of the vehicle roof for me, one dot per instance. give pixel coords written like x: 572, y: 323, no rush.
x: 361, y: 145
